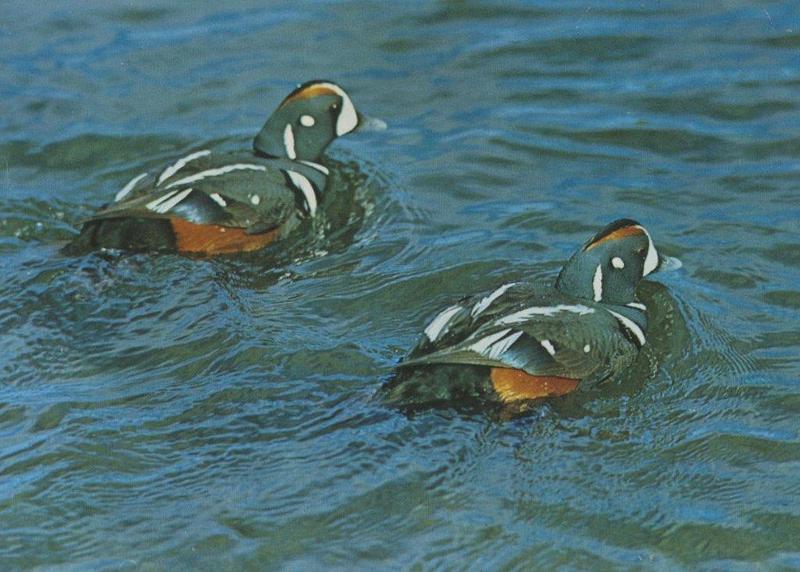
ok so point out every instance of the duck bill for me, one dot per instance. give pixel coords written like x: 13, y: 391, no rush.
x: 668, y: 263
x: 369, y: 123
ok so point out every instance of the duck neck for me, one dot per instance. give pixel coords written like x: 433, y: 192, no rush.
x: 279, y: 138
x: 585, y: 276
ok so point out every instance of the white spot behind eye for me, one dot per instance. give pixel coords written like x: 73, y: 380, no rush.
x: 307, y: 121
x: 617, y: 263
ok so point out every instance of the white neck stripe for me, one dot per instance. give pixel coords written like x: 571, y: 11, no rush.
x: 631, y: 326
x: 302, y: 184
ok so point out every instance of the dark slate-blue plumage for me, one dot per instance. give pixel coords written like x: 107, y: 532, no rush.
x: 211, y: 202
x: 525, y: 340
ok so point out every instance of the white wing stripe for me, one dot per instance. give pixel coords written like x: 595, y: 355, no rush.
x: 482, y: 345
x: 153, y: 204
x: 123, y: 192
x: 180, y: 164
x: 487, y: 301
x: 528, y: 313
x: 164, y: 205
x: 217, y: 198
x: 435, y: 328
x: 499, y: 348
x: 216, y: 172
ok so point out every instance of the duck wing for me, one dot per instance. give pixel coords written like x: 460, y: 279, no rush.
x: 537, y: 330
x: 231, y: 190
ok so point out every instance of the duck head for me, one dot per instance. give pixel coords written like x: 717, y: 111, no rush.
x: 307, y: 120
x: 610, y: 265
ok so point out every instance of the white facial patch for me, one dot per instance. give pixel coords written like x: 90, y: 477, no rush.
x: 307, y: 121
x: 587, y: 348
x: 617, y: 263
x: 255, y: 199
x: 651, y: 260
x: 348, y: 118
x: 597, y: 284
x: 288, y: 141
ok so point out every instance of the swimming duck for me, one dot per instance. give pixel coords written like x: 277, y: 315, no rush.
x: 525, y: 341
x: 213, y: 203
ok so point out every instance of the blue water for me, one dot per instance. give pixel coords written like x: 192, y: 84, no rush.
x: 162, y: 412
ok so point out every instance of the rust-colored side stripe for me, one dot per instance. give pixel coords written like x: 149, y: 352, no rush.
x: 514, y: 384
x: 213, y: 239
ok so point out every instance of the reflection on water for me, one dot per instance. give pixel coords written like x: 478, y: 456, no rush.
x: 167, y: 411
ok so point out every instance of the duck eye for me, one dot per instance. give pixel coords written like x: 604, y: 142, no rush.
x: 334, y: 107
x: 640, y: 251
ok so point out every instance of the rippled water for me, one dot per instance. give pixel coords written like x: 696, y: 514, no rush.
x: 160, y: 412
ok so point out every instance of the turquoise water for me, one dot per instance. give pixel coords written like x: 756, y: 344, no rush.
x: 160, y: 412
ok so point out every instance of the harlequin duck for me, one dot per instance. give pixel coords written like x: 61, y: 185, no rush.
x: 524, y: 341
x: 213, y: 203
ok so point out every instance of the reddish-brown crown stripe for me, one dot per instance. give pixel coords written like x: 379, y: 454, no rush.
x: 309, y: 92
x: 616, y: 235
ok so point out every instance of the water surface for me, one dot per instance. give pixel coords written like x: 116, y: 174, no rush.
x: 161, y: 412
